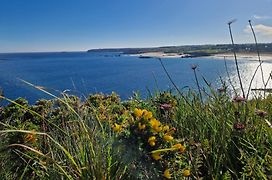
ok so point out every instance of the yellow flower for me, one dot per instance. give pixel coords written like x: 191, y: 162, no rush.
x: 147, y: 115
x: 155, y: 125
x: 179, y: 147
x: 116, y: 127
x: 156, y: 156
x: 158, y: 129
x: 154, y: 122
x: 167, y: 174
x: 30, y: 137
x: 168, y: 138
x: 152, y: 138
x: 138, y: 112
x: 186, y: 173
x: 165, y: 128
x: 152, y: 141
x: 141, y: 127
x: 182, y: 149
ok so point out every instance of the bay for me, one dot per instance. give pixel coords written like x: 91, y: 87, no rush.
x: 82, y: 73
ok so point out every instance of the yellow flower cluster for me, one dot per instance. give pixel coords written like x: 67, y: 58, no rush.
x: 142, y: 113
x: 152, y: 141
x: 138, y: 113
x: 147, y: 124
x: 179, y: 147
x: 148, y: 119
x: 155, y: 125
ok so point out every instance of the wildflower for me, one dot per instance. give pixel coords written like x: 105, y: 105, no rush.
x: 141, y: 126
x: 30, y: 137
x: 239, y: 126
x: 138, y: 112
x: 152, y: 141
x: 165, y: 106
x: 186, y: 173
x: 179, y: 147
x: 158, y: 129
x: 238, y: 99
x: 156, y: 156
x: 116, y: 127
x: 147, y: 115
x: 165, y: 128
x: 167, y: 174
x: 168, y: 138
x: 154, y: 123
x: 261, y: 113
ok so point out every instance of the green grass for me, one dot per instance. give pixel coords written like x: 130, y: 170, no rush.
x: 101, y: 138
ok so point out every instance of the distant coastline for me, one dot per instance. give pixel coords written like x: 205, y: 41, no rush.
x: 167, y: 55
x: 191, y: 51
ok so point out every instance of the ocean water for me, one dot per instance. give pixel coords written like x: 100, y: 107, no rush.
x: 84, y: 73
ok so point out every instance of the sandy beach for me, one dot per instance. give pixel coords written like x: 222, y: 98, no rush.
x: 227, y: 56
x: 159, y: 55
x: 248, y: 56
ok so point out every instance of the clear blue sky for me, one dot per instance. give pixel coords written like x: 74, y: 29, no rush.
x: 72, y: 25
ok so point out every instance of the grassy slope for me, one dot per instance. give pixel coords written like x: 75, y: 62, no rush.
x: 167, y: 135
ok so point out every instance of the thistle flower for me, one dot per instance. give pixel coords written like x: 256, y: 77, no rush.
x: 165, y: 106
x: 167, y: 174
x: 156, y: 156
x: 239, y: 126
x: 261, y: 113
x: 168, y: 138
x: 186, y: 173
x: 238, y: 99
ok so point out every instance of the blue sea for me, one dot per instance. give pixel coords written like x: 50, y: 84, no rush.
x: 83, y: 73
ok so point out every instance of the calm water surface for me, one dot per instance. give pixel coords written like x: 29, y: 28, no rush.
x: 83, y: 73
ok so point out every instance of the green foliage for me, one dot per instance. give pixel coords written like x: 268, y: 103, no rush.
x: 106, y: 138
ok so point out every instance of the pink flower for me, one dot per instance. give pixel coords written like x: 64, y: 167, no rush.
x: 261, y: 113
x: 239, y: 126
x: 238, y: 99
x: 165, y: 106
